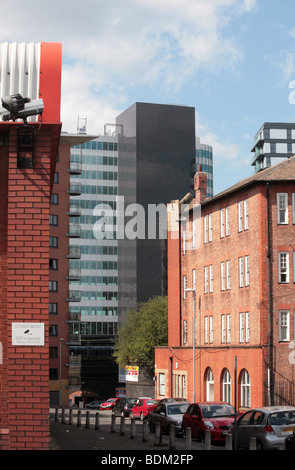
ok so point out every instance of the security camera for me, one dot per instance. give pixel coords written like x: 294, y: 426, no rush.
x: 17, y: 107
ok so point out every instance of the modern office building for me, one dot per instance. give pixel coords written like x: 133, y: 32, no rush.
x: 204, y: 157
x: 160, y: 163
x: 273, y: 143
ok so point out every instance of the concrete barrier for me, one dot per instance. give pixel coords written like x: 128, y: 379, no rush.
x: 132, y: 428
x: 188, y: 438
x: 172, y: 442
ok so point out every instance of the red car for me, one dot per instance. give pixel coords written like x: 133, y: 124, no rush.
x: 109, y: 404
x: 143, y: 407
x: 216, y: 416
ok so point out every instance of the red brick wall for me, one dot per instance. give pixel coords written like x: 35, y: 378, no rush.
x: 25, y: 406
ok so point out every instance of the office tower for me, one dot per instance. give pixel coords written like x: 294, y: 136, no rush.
x: 273, y: 143
x: 204, y: 157
x: 162, y: 159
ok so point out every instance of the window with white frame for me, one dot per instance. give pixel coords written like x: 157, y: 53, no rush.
x: 206, y: 330
x: 223, y: 329
x: 283, y: 267
x: 162, y: 391
x: 222, y: 275
x: 284, y: 325
x: 184, y: 332
x: 184, y: 287
x: 242, y: 327
x: 240, y: 215
x: 226, y: 387
x: 228, y: 275
x: 247, y: 325
x: 228, y: 328
x: 206, y: 229
x: 241, y: 272
x: 210, y: 227
x: 211, y: 329
x: 211, y: 278
x: 227, y: 230
x: 222, y: 223
x: 246, y: 215
x: 245, y: 390
x: 206, y: 275
x: 247, y: 271
x: 282, y: 208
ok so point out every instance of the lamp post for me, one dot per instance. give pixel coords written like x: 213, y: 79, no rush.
x: 194, y: 340
x: 60, y: 341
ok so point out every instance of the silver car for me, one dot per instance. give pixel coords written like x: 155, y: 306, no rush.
x: 167, y: 414
x: 269, y: 425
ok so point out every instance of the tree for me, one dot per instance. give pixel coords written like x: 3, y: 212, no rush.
x: 142, y: 330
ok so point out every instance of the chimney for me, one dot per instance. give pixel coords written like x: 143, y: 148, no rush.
x: 200, y: 185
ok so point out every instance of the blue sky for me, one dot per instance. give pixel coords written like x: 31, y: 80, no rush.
x: 232, y: 60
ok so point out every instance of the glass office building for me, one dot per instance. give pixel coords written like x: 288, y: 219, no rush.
x: 204, y: 157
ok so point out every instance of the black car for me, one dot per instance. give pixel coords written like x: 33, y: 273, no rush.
x: 124, y: 406
x: 94, y: 405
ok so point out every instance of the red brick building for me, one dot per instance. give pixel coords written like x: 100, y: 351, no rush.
x: 237, y: 256
x: 24, y: 246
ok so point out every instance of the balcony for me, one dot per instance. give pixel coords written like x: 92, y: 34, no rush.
x: 74, y: 317
x: 74, y: 210
x: 74, y: 296
x: 75, y: 168
x: 74, y: 231
x: 74, y: 252
x: 74, y: 274
x: 75, y: 189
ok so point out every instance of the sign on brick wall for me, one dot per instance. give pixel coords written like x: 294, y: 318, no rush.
x: 28, y: 334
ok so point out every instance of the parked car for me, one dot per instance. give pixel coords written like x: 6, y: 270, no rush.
x: 172, y: 400
x: 109, y: 404
x: 269, y: 425
x: 216, y: 416
x: 94, y: 405
x: 143, y: 407
x: 167, y: 414
x: 123, y: 406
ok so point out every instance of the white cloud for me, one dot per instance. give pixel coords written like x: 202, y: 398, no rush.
x: 111, y: 47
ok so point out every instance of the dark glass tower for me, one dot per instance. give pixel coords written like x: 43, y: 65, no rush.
x: 161, y: 161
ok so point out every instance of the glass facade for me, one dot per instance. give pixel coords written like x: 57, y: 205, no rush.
x: 204, y: 157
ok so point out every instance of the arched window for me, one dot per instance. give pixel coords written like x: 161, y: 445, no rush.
x: 245, y: 390
x: 226, y: 386
x: 209, y: 385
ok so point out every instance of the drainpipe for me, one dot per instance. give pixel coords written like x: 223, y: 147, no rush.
x: 270, y: 316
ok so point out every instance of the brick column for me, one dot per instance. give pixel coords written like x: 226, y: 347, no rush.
x: 26, y: 422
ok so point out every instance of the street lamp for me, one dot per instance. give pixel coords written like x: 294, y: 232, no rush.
x: 60, y: 341
x: 194, y: 339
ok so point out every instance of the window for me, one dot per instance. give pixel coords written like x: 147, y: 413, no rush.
x: 222, y: 275
x: 206, y: 330
x: 283, y: 267
x: 53, y: 331
x: 184, y: 332
x: 222, y: 222
x: 284, y: 325
x: 162, y: 385
x: 210, y: 227
x: 211, y: 329
x: 241, y: 272
x: 53, y: 263
x: 228, y: 275
x: 247, y: 271
x: 53, y: 308
x: 282, y: 208
x: 52, y: 286
x: 184, y: 287
x: 54, y: 199
x: 53, y: 219
x: 210, y: 386
x: 242, y: 327
x: 227, y: 231
x: 240, y: 215
x: 206, y: 279
x: 223, y: 330
x: 226, y: 328
x: 53, y: 242
x: 245, y: 390
x: 247, y: 318
x: 211, y: 278
x: 246, y: 216
x: 226, y: 387
x: 206, y: 229
x: 245, y: 327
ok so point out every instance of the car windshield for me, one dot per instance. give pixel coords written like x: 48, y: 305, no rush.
x: 151, y: 402
x: 217, y: 411
x: 280, y: 418
x: 132, y: 401
x: 176, y: 409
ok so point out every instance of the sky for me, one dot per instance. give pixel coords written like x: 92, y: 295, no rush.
x: 232, y: 60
